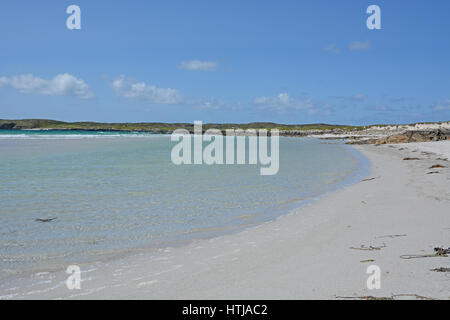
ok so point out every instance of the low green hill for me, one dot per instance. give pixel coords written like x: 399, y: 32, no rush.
x: 156, y: 126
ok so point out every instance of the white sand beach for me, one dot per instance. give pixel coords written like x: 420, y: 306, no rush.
x: 441, y: 148
x: 321, y: 251
x: 225, y: 151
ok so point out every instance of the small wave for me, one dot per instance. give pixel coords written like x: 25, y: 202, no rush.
x: 74, y: 136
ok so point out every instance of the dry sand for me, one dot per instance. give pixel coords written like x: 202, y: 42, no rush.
x: 441, y: 148
x: 313, y: 253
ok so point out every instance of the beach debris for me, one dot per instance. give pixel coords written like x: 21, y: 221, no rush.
x: 441, y: 269
x: 433, y: 172
x: 412, y: 295
x: 366, y: 298
x: 370, y: 179
x: 438, y: 252
x: 393, y: 236
x: 407, y: 158
x: 368, y: 260
x: 442, y: 159
x: 436, y: 166
x: 369, y: 248
x: 392, y: 297
x: 442, y: 251
x: 45, y: 220
x: 363, y: 202
x: 415, y: 256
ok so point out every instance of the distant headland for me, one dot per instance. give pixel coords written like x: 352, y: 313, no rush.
x: 430, y: 130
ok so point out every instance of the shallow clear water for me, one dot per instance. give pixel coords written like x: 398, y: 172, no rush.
x: 115, y: 194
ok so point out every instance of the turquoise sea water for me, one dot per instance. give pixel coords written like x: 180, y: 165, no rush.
x: 119, y: 193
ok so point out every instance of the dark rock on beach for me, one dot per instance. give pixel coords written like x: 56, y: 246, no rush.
x: 7, y: 126
x: 409, y: 136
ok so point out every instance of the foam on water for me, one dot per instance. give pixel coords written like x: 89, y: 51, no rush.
x: 72, y: 134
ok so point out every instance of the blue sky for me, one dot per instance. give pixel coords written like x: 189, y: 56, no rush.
x: 286, y: 61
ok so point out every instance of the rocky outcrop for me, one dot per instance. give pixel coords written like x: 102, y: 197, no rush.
x: 409, y: 136
x: 7, y: 126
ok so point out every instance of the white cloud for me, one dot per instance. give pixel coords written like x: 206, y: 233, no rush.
x: 131, y: 89
x: 62, y: 84
x: 360, y: 45
x: 210, y: 104
x: 381, y: 107
x: 398, y: 99
x: 442, y: 106
x: 332, y: 48
x: 213, y: 104
x: 197, y: 65
x: 283, y: 102
x: 359, y: 97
